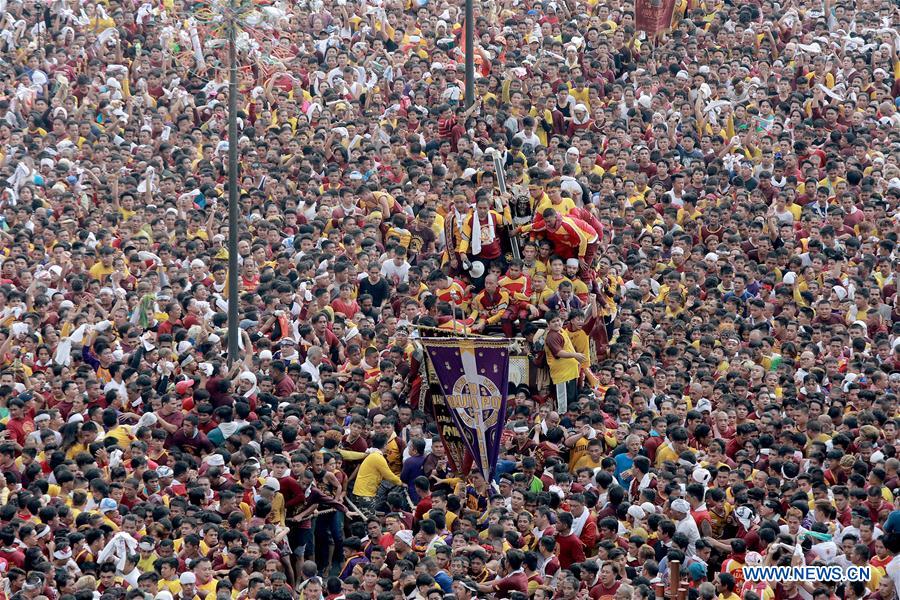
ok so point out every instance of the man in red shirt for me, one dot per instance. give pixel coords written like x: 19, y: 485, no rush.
x: 695, y: 493
x: 608, y: 583
x: 584, y: 524
x: 572, y: 238
x: 9, y: 552
x: 515, y: 580
x: 19, y: 425
x: 571, y: 548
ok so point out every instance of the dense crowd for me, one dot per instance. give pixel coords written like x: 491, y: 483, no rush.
x: 693, y: 236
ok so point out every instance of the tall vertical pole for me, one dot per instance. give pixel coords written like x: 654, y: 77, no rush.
x: 233, y: 193
x: 470, y: 55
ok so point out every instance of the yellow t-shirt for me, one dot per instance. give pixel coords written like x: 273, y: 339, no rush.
x: 122, y: 434
x: 100, y: 272
x: 207, y: 590
x: 173, y: 586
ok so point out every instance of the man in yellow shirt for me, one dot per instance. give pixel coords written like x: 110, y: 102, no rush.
x: 673, y: 447
x: 206, y: 583
x: 372, y: 472
x: 271, y: 491
x: 562, y: 360
x: 168, y: 575
x: 103, y: 268
x: 725, y: 586
x: 147, y: 554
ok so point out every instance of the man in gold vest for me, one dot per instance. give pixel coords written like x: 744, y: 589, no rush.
x: 563, y: 361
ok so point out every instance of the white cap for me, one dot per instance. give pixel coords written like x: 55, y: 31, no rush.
x: 273, y: 484
x: 636, y: 512
x: 701, y: 476
x: 187, y: 578
x: 681, y: 505
x: 405, y: 536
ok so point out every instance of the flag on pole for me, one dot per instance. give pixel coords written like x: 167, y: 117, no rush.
x: 473, y: 374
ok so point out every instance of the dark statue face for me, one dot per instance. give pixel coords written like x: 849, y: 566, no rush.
x: 523, y: 205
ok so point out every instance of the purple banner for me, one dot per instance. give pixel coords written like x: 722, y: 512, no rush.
x: 446, y: 424
x: 474, y: 376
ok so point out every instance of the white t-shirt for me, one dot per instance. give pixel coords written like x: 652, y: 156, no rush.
x: 394, y: 273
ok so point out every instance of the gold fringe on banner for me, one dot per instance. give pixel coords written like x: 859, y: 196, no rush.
x: 457, y: 341
x: 461, y: 335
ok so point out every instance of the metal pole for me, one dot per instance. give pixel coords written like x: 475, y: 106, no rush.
x: 233, y: 194
x: 470, y: 55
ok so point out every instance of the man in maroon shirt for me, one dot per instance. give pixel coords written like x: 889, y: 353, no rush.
x: 284, y: 385
x: 189, y: 439
x: 570, y: 546
x: 608, y: 583
x: 550, y: 562
x: 515, y: 580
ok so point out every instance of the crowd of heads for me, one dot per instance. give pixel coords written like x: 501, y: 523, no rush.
x: 690, y: 236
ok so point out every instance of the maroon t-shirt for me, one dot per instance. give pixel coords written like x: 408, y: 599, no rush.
x: 514, y: 582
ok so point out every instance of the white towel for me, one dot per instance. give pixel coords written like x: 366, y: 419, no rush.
x: 64, y: 348
x: 490, y: 233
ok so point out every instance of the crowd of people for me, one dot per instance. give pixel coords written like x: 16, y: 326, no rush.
x: 692, y: 236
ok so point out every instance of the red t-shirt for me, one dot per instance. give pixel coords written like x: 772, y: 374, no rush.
x: 13, y: 557
x: 19, y: 429
x: 600, y: 590
x: 570, y: 551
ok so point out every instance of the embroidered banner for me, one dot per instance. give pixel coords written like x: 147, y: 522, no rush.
x: 653, y: 16
x: 474, y: 377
